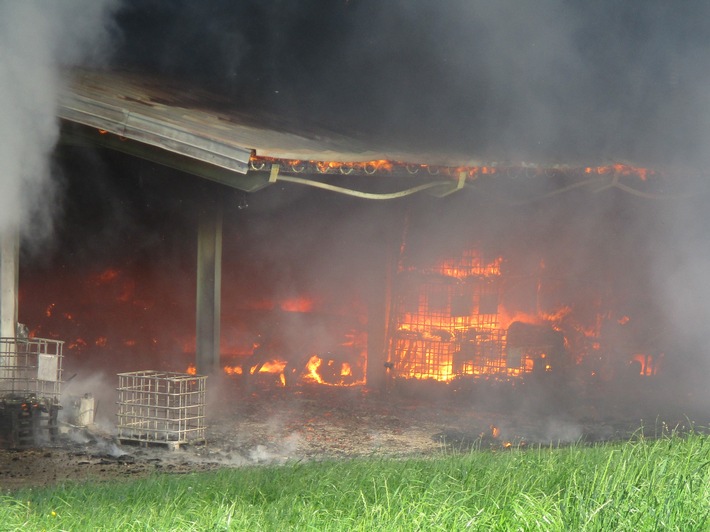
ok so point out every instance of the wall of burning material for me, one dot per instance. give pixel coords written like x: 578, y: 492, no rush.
x: 447, y: 320
x: 474, y: 315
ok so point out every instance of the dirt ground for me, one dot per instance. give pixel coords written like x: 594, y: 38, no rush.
x: 273, y: 425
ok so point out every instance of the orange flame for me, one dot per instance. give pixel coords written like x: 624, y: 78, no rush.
x: 450, y: 329
x: 274, y: 366
x: 648, y: 364
x: 301, y: 304
x: 470, y: 172
x: 232, y: 370
x: 620, y: 169
x: 460, y: 270
x: 77, y: 345
x: 313, y: 364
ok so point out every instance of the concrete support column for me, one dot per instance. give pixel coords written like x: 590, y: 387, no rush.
x: 9, y: 275
x: 209, y: 289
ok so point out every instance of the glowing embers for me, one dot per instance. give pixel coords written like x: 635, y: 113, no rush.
x: 620, y: 170
x: 383, y: 167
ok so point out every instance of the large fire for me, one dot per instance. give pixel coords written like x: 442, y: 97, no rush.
x: 451, y: 321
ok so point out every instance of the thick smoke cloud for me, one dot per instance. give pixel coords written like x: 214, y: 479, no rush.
x: 38, y: 39
x: 556, y: 81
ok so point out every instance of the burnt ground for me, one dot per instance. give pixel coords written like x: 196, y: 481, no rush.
x: 272, y: 425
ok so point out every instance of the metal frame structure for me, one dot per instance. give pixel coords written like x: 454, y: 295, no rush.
x: 156, y: 407
x: 446, y: 322
x: 30, y: 388
x: 31, y: 367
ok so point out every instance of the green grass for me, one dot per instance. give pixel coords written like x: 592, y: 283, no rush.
x: 642, y: 484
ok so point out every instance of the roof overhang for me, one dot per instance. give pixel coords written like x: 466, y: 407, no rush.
x: 196, y: 133
x: 102, y: 109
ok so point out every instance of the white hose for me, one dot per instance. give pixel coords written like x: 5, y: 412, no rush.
x: 366, y: 195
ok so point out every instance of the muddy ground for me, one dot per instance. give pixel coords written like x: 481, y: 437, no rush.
x: 272, y: 425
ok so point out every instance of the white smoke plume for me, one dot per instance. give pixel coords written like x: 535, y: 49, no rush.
x: 37, y: 40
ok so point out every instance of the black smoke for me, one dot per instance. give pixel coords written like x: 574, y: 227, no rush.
x: 555, y: 81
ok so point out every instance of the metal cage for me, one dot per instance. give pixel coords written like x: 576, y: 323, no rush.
x: 31, y: 367
x: 30, y: 386
x: 157, y: 407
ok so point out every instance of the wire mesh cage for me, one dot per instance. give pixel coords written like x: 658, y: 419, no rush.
x: 161, y: 408
x: 31, y: 367
x: 423, y: 358
x: 446, y: 320
x: 30, y: 386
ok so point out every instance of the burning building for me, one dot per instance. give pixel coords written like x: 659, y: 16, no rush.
x: 338, y: 289
x: 504, y: 208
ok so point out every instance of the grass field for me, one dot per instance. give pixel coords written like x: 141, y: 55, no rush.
x: 660, y: 484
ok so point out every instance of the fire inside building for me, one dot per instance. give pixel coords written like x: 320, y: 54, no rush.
x: 198, y: 240
x: 443, y: 279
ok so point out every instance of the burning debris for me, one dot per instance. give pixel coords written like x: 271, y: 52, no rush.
x: 304, y: 359
x: 454, y: 320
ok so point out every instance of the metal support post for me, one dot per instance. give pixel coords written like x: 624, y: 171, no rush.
x: 9, y: 274
x: 209, y: 285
